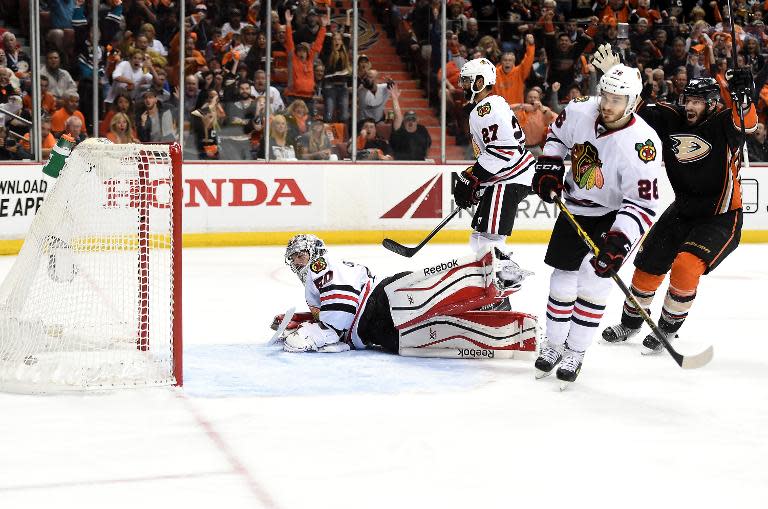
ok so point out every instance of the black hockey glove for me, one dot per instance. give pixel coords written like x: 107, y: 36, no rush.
x: 613, y: 250
x: 467, y: 190
x: 741, y: 85
x: 548, y: 177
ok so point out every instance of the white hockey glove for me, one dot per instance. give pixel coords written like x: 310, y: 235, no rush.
x: 311, y: 337
x: 605, y: 58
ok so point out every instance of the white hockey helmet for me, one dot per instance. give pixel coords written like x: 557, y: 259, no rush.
x: 623, y: 80
x: 312, y: 244
x: 474, y: 68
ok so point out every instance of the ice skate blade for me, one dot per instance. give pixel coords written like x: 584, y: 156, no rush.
x: 648, y: 351
x: 542, y: 374
x: 564, y: 385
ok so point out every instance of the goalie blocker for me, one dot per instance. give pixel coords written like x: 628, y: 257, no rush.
x: 432, y: 312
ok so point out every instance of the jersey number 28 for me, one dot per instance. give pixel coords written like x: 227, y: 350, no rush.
x: 647, y: 189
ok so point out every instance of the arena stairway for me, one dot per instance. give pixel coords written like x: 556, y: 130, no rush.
x: 384, y: 58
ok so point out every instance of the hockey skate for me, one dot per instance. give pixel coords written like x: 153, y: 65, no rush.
x: 651, y: 344
x: 499, y: 305
x: 618, y: 333
x: 569, y: 367
x: 549, y: 356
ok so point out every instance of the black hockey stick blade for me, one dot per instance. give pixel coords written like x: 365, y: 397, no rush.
x: 408, y: 252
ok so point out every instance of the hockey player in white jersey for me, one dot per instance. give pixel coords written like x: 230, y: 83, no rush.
x: 428, y: 313
x: 612, y: 190
x: 501, y: 177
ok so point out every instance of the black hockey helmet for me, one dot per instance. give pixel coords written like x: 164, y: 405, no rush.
x: 706, y: 88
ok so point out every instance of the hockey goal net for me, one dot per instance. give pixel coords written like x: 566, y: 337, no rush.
x: 93, y: 300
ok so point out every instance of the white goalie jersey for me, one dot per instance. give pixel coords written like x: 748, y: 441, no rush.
x: 338, y: 289
x: 499, y: 142
x: 616, y: 170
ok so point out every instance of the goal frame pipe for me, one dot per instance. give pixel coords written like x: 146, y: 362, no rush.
x: 176, y: 215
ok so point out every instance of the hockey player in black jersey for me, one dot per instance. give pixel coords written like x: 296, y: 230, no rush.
x: 701, y: 150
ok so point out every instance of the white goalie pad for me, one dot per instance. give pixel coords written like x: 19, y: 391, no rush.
x: 472, y: 335
x: 450, y: 287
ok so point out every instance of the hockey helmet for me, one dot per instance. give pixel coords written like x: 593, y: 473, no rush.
x: 313, y: 245
x: 471, y: 70
x: 706, y: 88
x: 623, y: 80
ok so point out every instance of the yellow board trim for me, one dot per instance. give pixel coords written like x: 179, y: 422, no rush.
x: 408, y: 237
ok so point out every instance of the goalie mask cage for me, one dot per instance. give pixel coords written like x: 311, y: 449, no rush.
x: 93, y: 300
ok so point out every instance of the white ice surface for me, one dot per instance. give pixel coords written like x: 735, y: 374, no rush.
x: 255, y: 427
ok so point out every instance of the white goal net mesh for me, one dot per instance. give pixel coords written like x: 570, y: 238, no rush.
x: 89, y: 302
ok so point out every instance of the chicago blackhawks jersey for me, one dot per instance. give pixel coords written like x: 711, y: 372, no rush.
x: 339, y: 290
x: 611, y: 170
x: 499, y: 143
x: 701, y: 160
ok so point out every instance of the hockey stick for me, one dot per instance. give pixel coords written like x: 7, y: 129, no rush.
x: 684, y: 361
x: 281, y: 328
x: 408, y: 252
x: 739, y: 105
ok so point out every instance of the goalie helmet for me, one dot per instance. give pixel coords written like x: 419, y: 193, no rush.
x: 623, y: 80
x: 471, y: 70
x: 313, y: 245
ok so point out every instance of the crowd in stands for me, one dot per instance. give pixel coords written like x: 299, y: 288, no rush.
x: 541, y: 49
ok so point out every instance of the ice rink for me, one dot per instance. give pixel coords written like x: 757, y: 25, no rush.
x: 255, y: 427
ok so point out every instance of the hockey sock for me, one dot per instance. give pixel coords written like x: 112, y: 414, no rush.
x: 683, y: 281
x: 644, y: 286
x: 562, y: 297
x: 592, y: 295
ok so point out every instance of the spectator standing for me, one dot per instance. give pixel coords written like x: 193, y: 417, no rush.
x: 372, y: 96
x: 155, y: 123
x: 510, y: 79
x: 260, y: 89
x: 60, y: 82
x: 131, y: 77
x: 205, y: 125
x: 338, y: 72
x: 240, y: 112
x: 301, y: 84
x: 68, y: 109
x: 562, y: 55
x: 409, y: 140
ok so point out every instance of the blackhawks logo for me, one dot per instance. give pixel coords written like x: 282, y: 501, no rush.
x: 484, y: 109
x: 586, y: 166
x: 318, y: 265
x: 646, y: 151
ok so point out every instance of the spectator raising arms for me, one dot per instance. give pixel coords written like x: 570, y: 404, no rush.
x: 372, y: 96
x: 301, y: 84
x: 409, y: 140
x: 510, y: 79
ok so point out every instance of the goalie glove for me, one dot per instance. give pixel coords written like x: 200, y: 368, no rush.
x: 296, y: 320
x: 741, y: 85
x: 613, y: 250
x: 548, y: 177
x: 605, y: 58
x: 467, y: 190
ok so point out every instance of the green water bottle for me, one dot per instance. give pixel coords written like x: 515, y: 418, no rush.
x: 59, y: 155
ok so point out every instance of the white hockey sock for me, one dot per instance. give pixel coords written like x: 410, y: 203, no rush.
x: 588, y: 310
x: 562, y: 296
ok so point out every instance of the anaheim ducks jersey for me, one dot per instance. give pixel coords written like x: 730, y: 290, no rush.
x: 701, y: 160
x: 611, y: 170
x: 338, y: 289
x: 499, y: 143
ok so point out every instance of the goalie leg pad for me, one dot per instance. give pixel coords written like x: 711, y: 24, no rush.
x: 310, y: 337
x: 471, y: 335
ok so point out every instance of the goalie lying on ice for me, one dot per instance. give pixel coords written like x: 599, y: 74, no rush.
x: 432, y: 312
